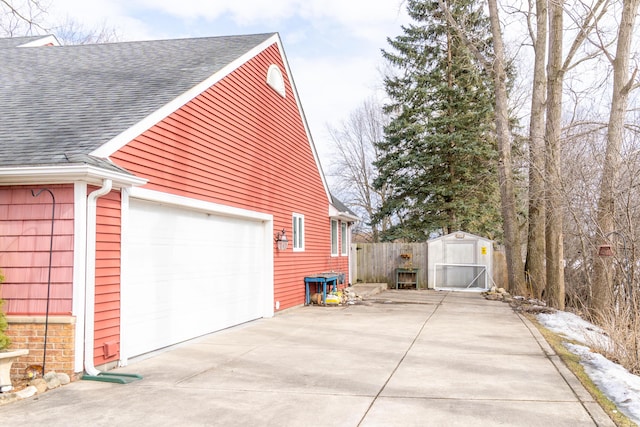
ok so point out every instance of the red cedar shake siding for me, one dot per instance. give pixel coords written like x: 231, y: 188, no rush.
x: 25, y: 229
x: 241, y: 144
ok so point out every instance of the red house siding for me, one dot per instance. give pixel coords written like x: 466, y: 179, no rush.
x: 107, y: 303
x: 25, y: 229
x: 241, y: 144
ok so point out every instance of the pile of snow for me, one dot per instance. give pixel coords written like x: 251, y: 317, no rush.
x: 618, y: 384
x: 574, y: 328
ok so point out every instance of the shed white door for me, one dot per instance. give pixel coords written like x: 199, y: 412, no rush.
x: 189, y: 273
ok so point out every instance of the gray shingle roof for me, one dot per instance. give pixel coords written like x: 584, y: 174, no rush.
x: 60, y: 102
x: 341, y: 206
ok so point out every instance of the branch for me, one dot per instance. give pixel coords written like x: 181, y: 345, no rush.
x: 29, y: 20
x: 589, y: 23
x: 16, y: 12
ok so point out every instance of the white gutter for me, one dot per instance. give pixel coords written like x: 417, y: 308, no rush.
x: 63, y: 174
x: 90, y: 276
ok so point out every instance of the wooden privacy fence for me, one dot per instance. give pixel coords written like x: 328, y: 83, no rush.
x: 377, y: 263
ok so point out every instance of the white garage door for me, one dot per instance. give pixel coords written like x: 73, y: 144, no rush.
x: 189, y: 273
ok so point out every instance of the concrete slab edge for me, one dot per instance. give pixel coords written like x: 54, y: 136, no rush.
x: 596, y: 412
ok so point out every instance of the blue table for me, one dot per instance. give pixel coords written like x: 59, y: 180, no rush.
x: 321, y: 279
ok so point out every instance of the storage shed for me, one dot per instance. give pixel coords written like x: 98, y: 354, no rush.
x: 460, y: 261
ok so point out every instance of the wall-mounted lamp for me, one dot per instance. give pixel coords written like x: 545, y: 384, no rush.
x: 281, y: 240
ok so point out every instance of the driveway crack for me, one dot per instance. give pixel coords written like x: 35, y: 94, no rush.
x: 375, y: 398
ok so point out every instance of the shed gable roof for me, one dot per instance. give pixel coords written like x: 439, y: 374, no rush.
x: 60, y: 102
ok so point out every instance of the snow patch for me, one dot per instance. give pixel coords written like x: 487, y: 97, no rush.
x: 618, y: 384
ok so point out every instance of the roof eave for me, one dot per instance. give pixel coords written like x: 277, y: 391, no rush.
x: 23, y: 175
x: 342, y: 216
x: 346, y: 216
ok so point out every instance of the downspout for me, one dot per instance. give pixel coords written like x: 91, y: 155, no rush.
x: 90, y: 276
x: 92, y: 373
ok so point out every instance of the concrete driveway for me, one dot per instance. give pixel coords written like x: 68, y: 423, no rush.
x: 404, y: 358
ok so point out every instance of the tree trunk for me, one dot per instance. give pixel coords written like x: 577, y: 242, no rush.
x: 515, y: 266
x: 535, y: 265
x: 554, y: 238
x: 602, y: 285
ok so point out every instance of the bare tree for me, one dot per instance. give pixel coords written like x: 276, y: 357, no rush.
x: 353, y: 167
x: 515, y: 266
x: 72, y: 32
x: 557, y: 67
x: 28, y: 17
x: 622, y: 85
x: 21, y: 17
x: 554, y: 236
x: 536, y: 264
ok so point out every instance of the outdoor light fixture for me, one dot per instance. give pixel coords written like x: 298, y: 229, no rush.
x: 281, y: 240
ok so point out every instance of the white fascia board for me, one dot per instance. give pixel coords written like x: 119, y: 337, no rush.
x: 66, y: 174
x: 304, y: 117
x: 197, y: 205
x: 44, y: 41
x: 157, y: 116
x: 343, y: 216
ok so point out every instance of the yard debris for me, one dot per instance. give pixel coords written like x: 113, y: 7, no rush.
x: 518, y: 302
x: 316, y: 298
x: 334, y: 298
x: 346, y: 296
x: 352, y: 296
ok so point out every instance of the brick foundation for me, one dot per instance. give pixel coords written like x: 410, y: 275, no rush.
x: 28, y: 332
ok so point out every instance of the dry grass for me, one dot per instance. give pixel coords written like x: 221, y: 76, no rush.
x: 622, y: 329
x: 573, y: 363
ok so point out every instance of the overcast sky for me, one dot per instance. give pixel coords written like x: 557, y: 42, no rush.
x: 333, y: 46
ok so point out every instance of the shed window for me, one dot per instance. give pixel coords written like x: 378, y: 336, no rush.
x: 298, y: 232
x: 344, y: 238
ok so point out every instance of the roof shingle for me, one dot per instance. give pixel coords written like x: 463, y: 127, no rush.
x: 59, y: 102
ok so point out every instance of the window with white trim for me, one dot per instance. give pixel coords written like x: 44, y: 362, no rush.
x: 334, y: 237
x: 344, y: 235
x: 298, y: 232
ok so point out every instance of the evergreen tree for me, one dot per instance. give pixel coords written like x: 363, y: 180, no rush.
x: 439, y: 155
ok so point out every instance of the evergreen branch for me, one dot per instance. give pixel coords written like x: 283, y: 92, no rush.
x: 486, y: 64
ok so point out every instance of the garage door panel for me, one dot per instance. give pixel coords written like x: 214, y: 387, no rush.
x: 192, y: 273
